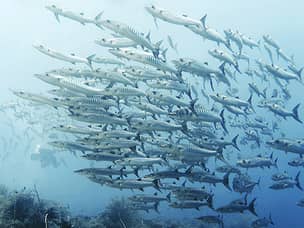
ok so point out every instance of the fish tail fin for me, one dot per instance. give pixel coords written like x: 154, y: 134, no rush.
x: 234, y: 142
x: 156, y: 184
x: 270, y: 219
x: 189, y: 170
x: 168, y: 197
x: 250, y: 101
x: 278, y: 53
x: 90, y: 58
x: 210, y: 202
x: 264, y: 92
x: 136, y: 172
x: 192, y: 104
x: 189, y: 93
x: 203, y: 21
x: 164, y: 54
x: 223, y: 122
x: 251, y: 207
x: 211, y: 83
x: 299, y: 73
x: 98, y: 16
x: 220, y: 155
x: 226, y: 181
x: 222, y: 67
x: 295, y: 113
x: 184, y: 128
x: 297, y: 180
x: 236, y: 66
x: 156, y: 207
x: 276, y: 162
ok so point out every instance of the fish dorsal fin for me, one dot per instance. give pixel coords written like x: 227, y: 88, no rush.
x: 206, y: 63
x: 259, y: 155
x: 72, y: 54
x: 185, y: 15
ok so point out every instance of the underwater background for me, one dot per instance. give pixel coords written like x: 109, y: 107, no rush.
x: 25, y: 23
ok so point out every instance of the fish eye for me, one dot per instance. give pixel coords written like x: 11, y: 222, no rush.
x: 103, y: 39
x: 108, y: 21
x: 153, y: 7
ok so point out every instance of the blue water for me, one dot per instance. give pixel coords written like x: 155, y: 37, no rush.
x: 25, y: 23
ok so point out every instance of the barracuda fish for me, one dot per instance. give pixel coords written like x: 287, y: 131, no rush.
x: 270, y: 41
x: 36, y: 98
x: 254, y: 88
x: 73, y: 129
x: 284, y: 74
x: 189, y: 204
x: 156, y: 125
x: 116, y: 42
x: 232, y: 101
x: 150, y: 199
x: 212, y: 219
x: 71, y: 58
x: 99, y: 118
x: 134, y: 161
x: 99, y: 179
x: 297, y: 162
x: 235, y: 36
x: 208, y: 33
x: 126, y: 31
x: 147, y: 107
x: 124, y: 133
x: 113, y: 77
x: 144, y: 207
x: 210, y: 178
x: 253, y: 135
x: 237, y: 111
x: 281, y: 111
x: 284, y: 184
x: 139, y: 184
x: 72, y: 146
x: 104, y: 156
x: 238, y: 206
x: 280, y: 176
x: 68, y: 14
x: 110, y: 171
x: 227, y: 169
x: 144, y: 74
x: 248, y: 41
x: 262, y: 222
x: 224, y: 57
x: 180, y: 87
x: 194, y: 67
x: 242, y: 183
x: 199, y: 115
x: 170, y: 174
x: 105, y: 60
x: 258, y: 162
x: 218, y: 142
x: 288, y: 145
x: 165, y: 15
x: 92, y: 101
x: 162, y: 99
x: 280, y: 53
